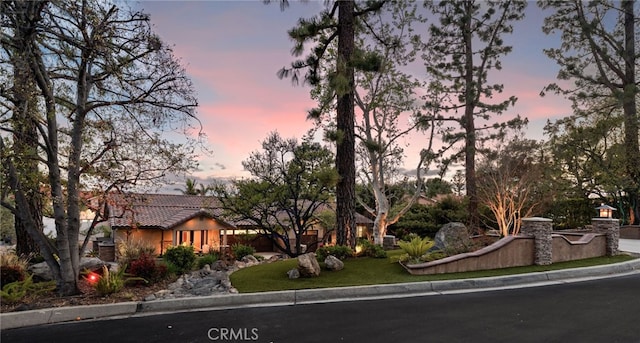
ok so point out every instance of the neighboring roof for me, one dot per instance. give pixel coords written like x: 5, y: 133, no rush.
x: 163, y: 211
x: 360, y: 219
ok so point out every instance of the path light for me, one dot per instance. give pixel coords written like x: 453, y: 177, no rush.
x: 605, y: 211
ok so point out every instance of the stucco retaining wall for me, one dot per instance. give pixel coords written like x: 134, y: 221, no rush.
x: 514, y: 251
x: 568, y: 247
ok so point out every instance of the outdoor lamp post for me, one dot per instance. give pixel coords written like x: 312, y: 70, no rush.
x: 605, y: 211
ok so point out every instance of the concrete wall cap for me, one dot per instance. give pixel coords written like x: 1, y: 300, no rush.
x: 537, y: 219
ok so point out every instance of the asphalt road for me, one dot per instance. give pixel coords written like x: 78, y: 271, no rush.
x: 606, y: 310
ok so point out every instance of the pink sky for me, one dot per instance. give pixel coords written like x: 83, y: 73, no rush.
x: 233, y: 49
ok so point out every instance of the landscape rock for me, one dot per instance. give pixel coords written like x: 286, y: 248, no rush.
x: 250, y: 260
x: 452, y: 238
x: 293, y: 273
x: 333, y: 263
x: 42, y: 272
x: 308, y: 265
x: 201, y: 282
x: 275, y: 258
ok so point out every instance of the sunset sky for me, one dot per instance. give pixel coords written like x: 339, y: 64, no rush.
x: 233, y: 49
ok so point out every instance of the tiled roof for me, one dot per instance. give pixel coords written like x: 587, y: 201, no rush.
x: 166, y: 211
x: 160, y: 210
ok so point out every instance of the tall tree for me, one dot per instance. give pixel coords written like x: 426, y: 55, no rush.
x: 291, y: 183
x: 108, y: 88
x: 323, y: 30
x: 22, y: 102
x: 599, y: 54
x: 385, y: 100
x: 587, y: 153
x: 464, y: 46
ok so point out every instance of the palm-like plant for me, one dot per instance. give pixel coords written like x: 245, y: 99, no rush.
x: 190, y: 188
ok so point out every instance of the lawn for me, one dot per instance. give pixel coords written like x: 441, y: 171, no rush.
x: 371, y: 271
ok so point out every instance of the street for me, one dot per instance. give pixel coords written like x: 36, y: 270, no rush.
x: 606, y: 310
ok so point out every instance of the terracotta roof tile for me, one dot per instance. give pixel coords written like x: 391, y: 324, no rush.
x: 168, y: 210
x: 160, y: 210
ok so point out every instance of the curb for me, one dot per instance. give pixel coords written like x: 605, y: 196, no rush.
x: 13, y: 320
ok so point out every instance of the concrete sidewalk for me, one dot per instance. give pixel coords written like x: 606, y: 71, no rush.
x: 306, y: 296
x: 629, y: 245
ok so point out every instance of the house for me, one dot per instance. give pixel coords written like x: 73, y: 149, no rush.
x: 167, y: 220
x: 172, y: 219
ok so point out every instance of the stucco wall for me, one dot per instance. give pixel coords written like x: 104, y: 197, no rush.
x: 150, y: 236
x: 516, y: 251
x: 568, y: 247
x: 161, y: 239
x: 507, y: 252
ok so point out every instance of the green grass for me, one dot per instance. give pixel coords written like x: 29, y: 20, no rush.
x: 371, y: 271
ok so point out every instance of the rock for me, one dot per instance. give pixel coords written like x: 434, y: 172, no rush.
x: 41, y: 271
x: 452, y: 238
x: 220, y: 265
x: 333, y: 263
x: 250, y: 260
x: 293, y: 273
x: 275, y: 258
x: 308, y: 265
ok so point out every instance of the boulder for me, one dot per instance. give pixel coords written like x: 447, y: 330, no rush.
x: 333, y: 263
x: 453, y: 238
x: 308, y: 265
x: 293, y: 273
x: 41, y: 271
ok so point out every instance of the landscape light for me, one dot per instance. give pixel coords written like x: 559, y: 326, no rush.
x: 605, y: 211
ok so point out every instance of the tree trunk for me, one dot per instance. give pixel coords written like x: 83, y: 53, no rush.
x: 382, y: 211
x: 345, y: 147
x: 470, y: 130
x: 25, y: 135
x: 630, y: 114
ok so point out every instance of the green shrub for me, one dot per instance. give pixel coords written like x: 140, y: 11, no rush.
x: 209, y: 259
x: 416, y: 247
x: 13, y: 292
x: 240, y: 250
x: 342, y: 252
x: 109, y: 282
x: 181, y: 258
x: 371, y: 250
x: 433, y: 256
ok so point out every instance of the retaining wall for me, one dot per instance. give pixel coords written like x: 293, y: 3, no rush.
x: 526, y: 249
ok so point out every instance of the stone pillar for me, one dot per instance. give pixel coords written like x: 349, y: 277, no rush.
x: 540, y: 229
x: 611, y: 227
